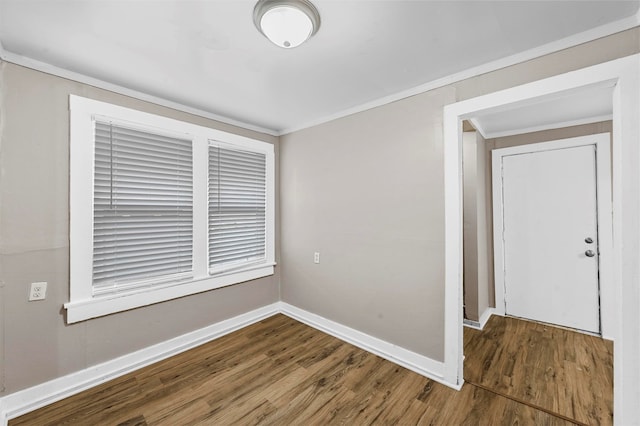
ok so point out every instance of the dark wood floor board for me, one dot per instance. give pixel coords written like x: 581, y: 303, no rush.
x: 560, y: 370
x: 230, y: 361
x: 390, y: 405
x: 369, y: 382
x: 250, y: 411
x: 321, y: 352
x: 382, y: 392
x: 106, y: 401
x: 311, y: 402
x: 291, y: 353
x: 276, y: 390
x: 387, y: 400
x: 248, y: 383
x: 278, y: 370
x: 475, y: 406
x: 203, y: 358
x: 398, y: 398
x: 223, y: 383
x: 325, y: 373
x: 281, y: 372
x: 135, y: 421
x: 179, y: 409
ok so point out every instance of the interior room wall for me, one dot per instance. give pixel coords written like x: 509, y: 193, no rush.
x: 34, y: 245
x: 376, y: 213
x: 477, y: 258
x: 486, y: 293
x: 365, y: 192
x: 470, y: 225
x: 547, y: 135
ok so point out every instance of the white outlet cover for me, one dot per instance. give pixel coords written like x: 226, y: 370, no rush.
x: 38, y: 291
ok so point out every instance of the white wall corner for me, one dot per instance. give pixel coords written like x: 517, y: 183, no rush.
x: 415, y: 362
x: 27, y: 400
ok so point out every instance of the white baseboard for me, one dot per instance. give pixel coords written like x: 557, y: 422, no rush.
x: 420, y: 364
x: 27, y: 400
x: 24, y: 401
x: 486, y: 315
x: 479, y: 325
x: 471, y: 324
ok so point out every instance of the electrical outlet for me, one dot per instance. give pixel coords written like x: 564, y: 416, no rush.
x: 38, y: 291
x: 316, y: 257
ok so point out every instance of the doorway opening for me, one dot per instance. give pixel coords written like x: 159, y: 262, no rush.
x: 483, y: 290
x: 612, y: 87
x: 543, y: 191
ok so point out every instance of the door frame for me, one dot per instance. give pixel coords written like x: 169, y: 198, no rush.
x: 602, y: 144
x: 624, y: 75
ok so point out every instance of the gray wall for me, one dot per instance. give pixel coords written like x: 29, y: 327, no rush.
x: 470, y: 184
x: 34, y: 244
x: 546, y: 136
x: 366, y: 191
x: 477, y: 246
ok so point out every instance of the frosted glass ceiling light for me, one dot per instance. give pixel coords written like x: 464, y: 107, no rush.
x: 287, y: 23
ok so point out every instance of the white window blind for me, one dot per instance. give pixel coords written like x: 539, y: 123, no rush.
x: 143, y: 208
x: 237, y: 208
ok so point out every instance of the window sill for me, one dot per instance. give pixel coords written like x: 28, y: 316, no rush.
x: 80, y: 310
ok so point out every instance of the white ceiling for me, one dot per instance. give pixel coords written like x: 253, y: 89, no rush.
x: 588, y: 105
x: 207, y: 55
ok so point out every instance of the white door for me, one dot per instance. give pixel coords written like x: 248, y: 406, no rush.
x: 550, y: 237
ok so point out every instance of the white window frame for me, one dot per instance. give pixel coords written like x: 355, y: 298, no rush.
x: 82, y: 304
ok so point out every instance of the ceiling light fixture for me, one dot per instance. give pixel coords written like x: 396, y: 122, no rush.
x: 287, y: 23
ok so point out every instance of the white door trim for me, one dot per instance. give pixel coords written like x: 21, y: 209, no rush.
x: 624, y: 75
x: 602, y: 144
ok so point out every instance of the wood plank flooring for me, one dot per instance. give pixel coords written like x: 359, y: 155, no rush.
x: 558, y: 370
x: 281, y: 372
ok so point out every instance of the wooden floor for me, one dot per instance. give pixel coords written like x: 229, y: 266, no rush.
x: 281, y: 372
x: 561, y: 371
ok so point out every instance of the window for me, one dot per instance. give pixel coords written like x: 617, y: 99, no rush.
x: 237, y: 207
x: 162, y: 209
x: 142, y: 208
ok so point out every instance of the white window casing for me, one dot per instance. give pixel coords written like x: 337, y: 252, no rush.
x: 143, y: 227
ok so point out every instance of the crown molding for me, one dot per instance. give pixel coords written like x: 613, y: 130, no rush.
x: 102, y: 84
x: 546, y: 49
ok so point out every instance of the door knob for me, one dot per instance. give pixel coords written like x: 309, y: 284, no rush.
x: 588, y: 240
x: 589, y: 253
